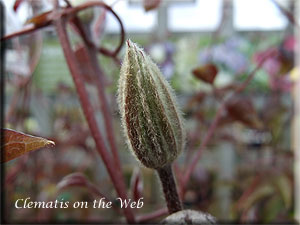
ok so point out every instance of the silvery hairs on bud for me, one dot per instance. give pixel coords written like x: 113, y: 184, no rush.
x: 151, y: 119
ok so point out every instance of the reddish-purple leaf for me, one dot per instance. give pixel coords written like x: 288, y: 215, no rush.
x: 17, y: 144
x: 242, y: 110
x: 206, y: 73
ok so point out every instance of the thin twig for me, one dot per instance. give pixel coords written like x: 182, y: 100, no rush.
x: 26, y: 30
x: 71, y: 12
x: 99, y: 24
x: 98, y: 75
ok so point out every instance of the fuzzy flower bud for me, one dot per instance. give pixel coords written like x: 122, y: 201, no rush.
x: 152, y: 122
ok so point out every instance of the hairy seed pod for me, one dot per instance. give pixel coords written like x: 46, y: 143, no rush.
x: 152, y: 122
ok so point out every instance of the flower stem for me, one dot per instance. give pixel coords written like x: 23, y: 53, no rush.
x: 169, y: 187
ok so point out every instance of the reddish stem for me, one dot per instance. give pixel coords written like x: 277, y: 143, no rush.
x: 98, y: 79
x: 25, y: 30
x: 89, y: 114
x: 98, y: 75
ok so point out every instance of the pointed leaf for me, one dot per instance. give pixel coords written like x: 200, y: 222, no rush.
x: 242, y: 110
x: 41, y: 20
x: 206, y: 73
x: 17, y: 143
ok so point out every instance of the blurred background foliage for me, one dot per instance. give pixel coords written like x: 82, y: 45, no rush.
x: 244, y: 175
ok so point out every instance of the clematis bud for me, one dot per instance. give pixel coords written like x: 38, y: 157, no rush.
x: 152, y: 122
